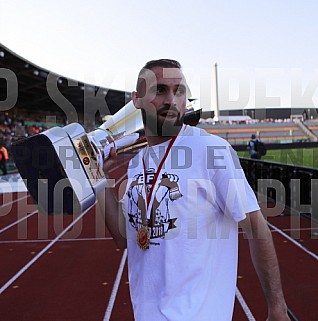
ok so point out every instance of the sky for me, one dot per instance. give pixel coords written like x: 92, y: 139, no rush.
x: 266, y: 51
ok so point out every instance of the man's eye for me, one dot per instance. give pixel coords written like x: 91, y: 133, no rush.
x: 160, y: 90
x: 180, y: 91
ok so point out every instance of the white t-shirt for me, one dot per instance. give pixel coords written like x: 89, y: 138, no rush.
x: 189, y: 270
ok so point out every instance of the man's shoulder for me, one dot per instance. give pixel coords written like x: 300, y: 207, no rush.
x: 200, y: 136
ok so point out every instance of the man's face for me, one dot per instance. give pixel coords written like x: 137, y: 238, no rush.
x: 162, y: 100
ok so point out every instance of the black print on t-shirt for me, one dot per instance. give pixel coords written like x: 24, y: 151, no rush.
x: 167, y: 190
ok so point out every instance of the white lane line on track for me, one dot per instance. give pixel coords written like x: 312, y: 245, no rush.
x: 126, y: 161
x: 299, y: 229
x: 16, y: 200
x: 18, y: 221
x: 19, y: 273
x: 293, y: 229
x: 121, y: 179
x: 115, y: 287
x: 244, y: 305
x: 113, y: 295
x: 293, y: 241
x: 61, y: 240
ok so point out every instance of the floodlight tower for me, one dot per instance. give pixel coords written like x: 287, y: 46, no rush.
x: 216, y: 94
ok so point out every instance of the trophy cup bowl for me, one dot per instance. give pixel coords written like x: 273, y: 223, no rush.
x: 62, y: 167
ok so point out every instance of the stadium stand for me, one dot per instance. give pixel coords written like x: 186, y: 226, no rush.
x: 43, y: 98
x: 269, y: 132
x: 312, y: 125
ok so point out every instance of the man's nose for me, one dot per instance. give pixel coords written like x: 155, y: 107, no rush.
x: 170, y: 98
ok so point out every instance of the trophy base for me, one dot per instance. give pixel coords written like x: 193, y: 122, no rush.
x: 48, y: 175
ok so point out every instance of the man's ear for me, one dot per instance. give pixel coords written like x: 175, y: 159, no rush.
x: 136, y: 99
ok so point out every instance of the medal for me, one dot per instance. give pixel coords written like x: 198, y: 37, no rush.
x: 143, y: 235
x: 143, y: 238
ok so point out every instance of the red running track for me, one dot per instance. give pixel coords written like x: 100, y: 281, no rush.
x: 72, y: 277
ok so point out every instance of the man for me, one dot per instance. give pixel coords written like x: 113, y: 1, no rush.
x: 252, y: 147
x: 184, y: 197
x: 3, y: 158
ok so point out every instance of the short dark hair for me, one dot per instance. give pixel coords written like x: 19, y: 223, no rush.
x: 164, y: 63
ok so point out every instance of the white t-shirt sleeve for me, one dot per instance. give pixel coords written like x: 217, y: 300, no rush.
x: 234, y: 195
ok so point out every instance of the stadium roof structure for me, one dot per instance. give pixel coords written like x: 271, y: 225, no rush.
x: 39, y: 89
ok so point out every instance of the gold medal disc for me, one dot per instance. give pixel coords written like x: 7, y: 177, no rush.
x: 143, y: 238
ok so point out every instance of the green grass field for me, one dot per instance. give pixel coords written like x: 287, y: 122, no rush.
x: 302, y: 157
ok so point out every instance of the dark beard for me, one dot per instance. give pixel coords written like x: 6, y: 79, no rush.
x: 154, y: 126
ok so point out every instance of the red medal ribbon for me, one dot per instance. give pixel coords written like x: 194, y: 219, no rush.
x: 158, y: 170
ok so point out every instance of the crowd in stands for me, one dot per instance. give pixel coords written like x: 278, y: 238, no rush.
x: 210, y: 121
x: 14, y: 127
x: 270, y: 120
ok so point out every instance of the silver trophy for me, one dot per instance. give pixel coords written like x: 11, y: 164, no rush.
x: 62, y: 167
